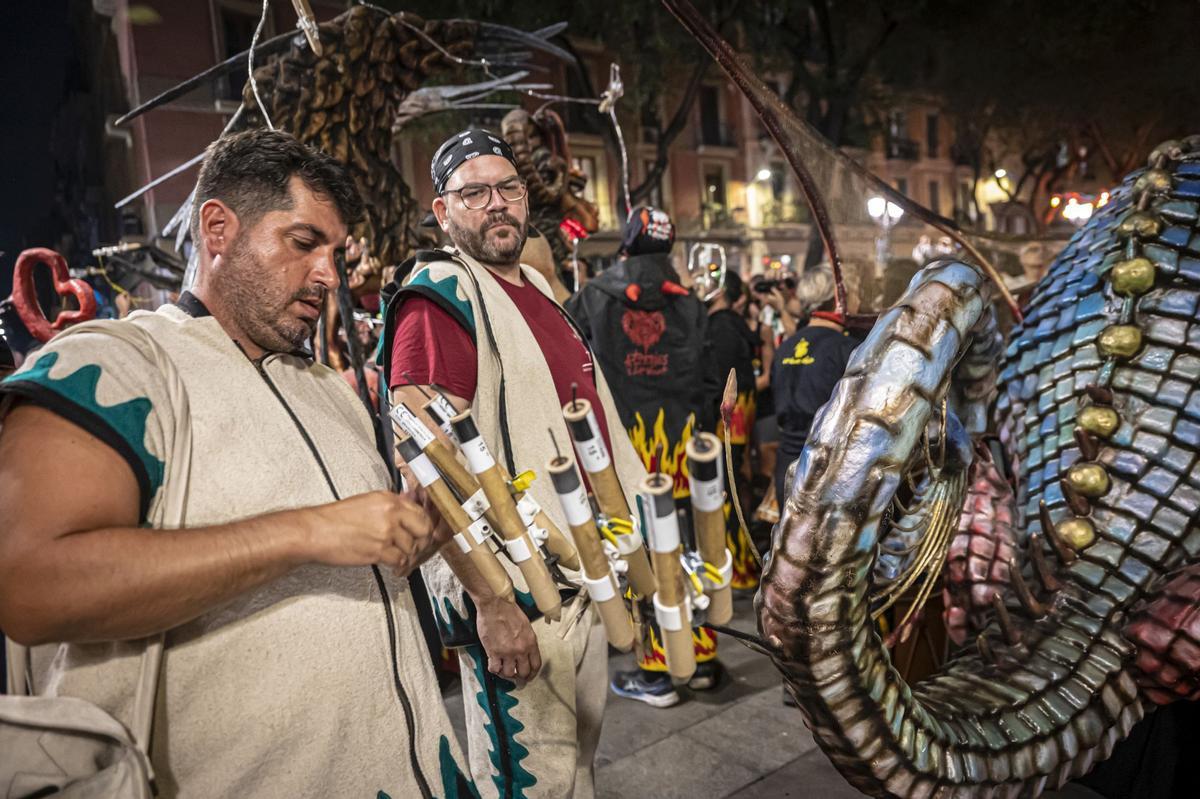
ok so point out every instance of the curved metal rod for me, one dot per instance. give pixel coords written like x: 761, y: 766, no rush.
x: 269, y: 47
x: 773, y: 113
x: 778, y: 118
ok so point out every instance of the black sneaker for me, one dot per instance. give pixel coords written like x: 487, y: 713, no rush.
x: 653, y: 688
x: 706, y: 677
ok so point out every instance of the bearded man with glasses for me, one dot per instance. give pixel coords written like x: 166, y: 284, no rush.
x: 485, y: 330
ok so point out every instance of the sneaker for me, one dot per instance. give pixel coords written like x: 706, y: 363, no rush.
x: 706, y: 677
x: 653, y: 688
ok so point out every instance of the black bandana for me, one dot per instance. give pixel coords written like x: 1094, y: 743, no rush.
x: 462, y: 147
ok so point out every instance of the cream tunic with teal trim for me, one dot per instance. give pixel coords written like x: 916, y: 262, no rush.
x: 287, y: 691
x: 538, y: 740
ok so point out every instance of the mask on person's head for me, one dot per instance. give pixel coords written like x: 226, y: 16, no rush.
x: 706, y: 269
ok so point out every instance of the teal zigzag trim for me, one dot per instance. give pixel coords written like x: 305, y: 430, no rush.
x: 509, y: 776
x: 447, y: 289
x: 455, y: 784
x: 127, y: 419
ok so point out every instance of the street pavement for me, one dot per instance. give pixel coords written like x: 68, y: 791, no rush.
x: 737, y: 741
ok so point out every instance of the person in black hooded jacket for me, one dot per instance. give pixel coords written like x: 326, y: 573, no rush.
x: 648, y: 335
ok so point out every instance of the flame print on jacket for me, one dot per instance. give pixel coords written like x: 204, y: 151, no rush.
x: 653, y: 444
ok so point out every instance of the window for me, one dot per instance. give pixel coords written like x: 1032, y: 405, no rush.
x: 235, y: 23
x: 711, y: 115
x: 779, y: 173
x: 714, y: 185
x: 579, y: 117
x: 902, y: 185
x: 935, y: 196
x: 932, y: 143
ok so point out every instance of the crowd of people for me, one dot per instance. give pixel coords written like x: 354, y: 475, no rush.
x: 258, y: 538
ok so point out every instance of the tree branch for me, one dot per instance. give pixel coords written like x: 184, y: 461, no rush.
x: 668, y: 135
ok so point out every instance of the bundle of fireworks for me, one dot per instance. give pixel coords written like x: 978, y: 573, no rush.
x: 487, y: 499
x: 680, y: 581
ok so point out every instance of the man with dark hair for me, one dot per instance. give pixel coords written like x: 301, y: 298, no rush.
x: 731, y: 346
x: 293, y: 662
x: 484, y: 327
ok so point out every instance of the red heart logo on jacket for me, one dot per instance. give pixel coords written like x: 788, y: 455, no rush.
x: 644, y: 328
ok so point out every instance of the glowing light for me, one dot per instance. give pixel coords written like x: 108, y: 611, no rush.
x: 1103, y: 200
x: 763, y: 174
x: 1078, y: 212
x: 1055, y: 201
x: 1001, y: 173
x: 877, y: 207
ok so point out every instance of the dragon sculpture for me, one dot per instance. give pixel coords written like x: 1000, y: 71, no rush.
x: 1082, y: 585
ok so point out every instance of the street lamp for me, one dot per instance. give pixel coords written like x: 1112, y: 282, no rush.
x: 763, y: 175
x: 886, y: 214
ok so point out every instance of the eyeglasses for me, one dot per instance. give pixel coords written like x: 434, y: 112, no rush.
x: 477, y: 195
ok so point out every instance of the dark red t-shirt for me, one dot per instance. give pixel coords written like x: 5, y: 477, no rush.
x: 431, y: 348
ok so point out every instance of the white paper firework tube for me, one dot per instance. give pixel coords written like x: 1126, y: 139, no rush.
x: 468, y: 535
x: 598, y: 577
x: 595, y: 460
x: 507, y: 519
x: 672, y: 603
x: 708, y: 516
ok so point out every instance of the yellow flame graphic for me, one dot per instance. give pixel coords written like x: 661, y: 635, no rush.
x: 649, y: 446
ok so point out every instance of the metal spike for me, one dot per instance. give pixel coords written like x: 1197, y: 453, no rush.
x: 1028, y: 601
x: 985, y: 649
x: 1100, y: 395
x: 1011, y: 634
x: 1064, y: 552
x: 231, y: 64
x: 1041, y: 567
x: 1088, y: 447
x: 1075, y: 501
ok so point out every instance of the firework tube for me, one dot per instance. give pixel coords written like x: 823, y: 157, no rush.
x: 672, y: 604
x: 441, y: 412
x: 597, y: 573
x: 522, y: 549
x: 470, y: 536
x: 533, y: 516
x: 455, y: 473
x: 708, y: 513
x: 595, y: 460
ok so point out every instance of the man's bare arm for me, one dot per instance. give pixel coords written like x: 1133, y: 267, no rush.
x: 75, y: 566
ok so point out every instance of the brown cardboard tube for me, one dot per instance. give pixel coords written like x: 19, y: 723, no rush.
x: 671, y: 595
x: 511, y: 528
x: 681, y: 655
x: 618, y: 626
x: 454, y: 472
x: 703, y: 452
x: 556, y: 542
x: 482, y: 557
x: 606, y: 487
